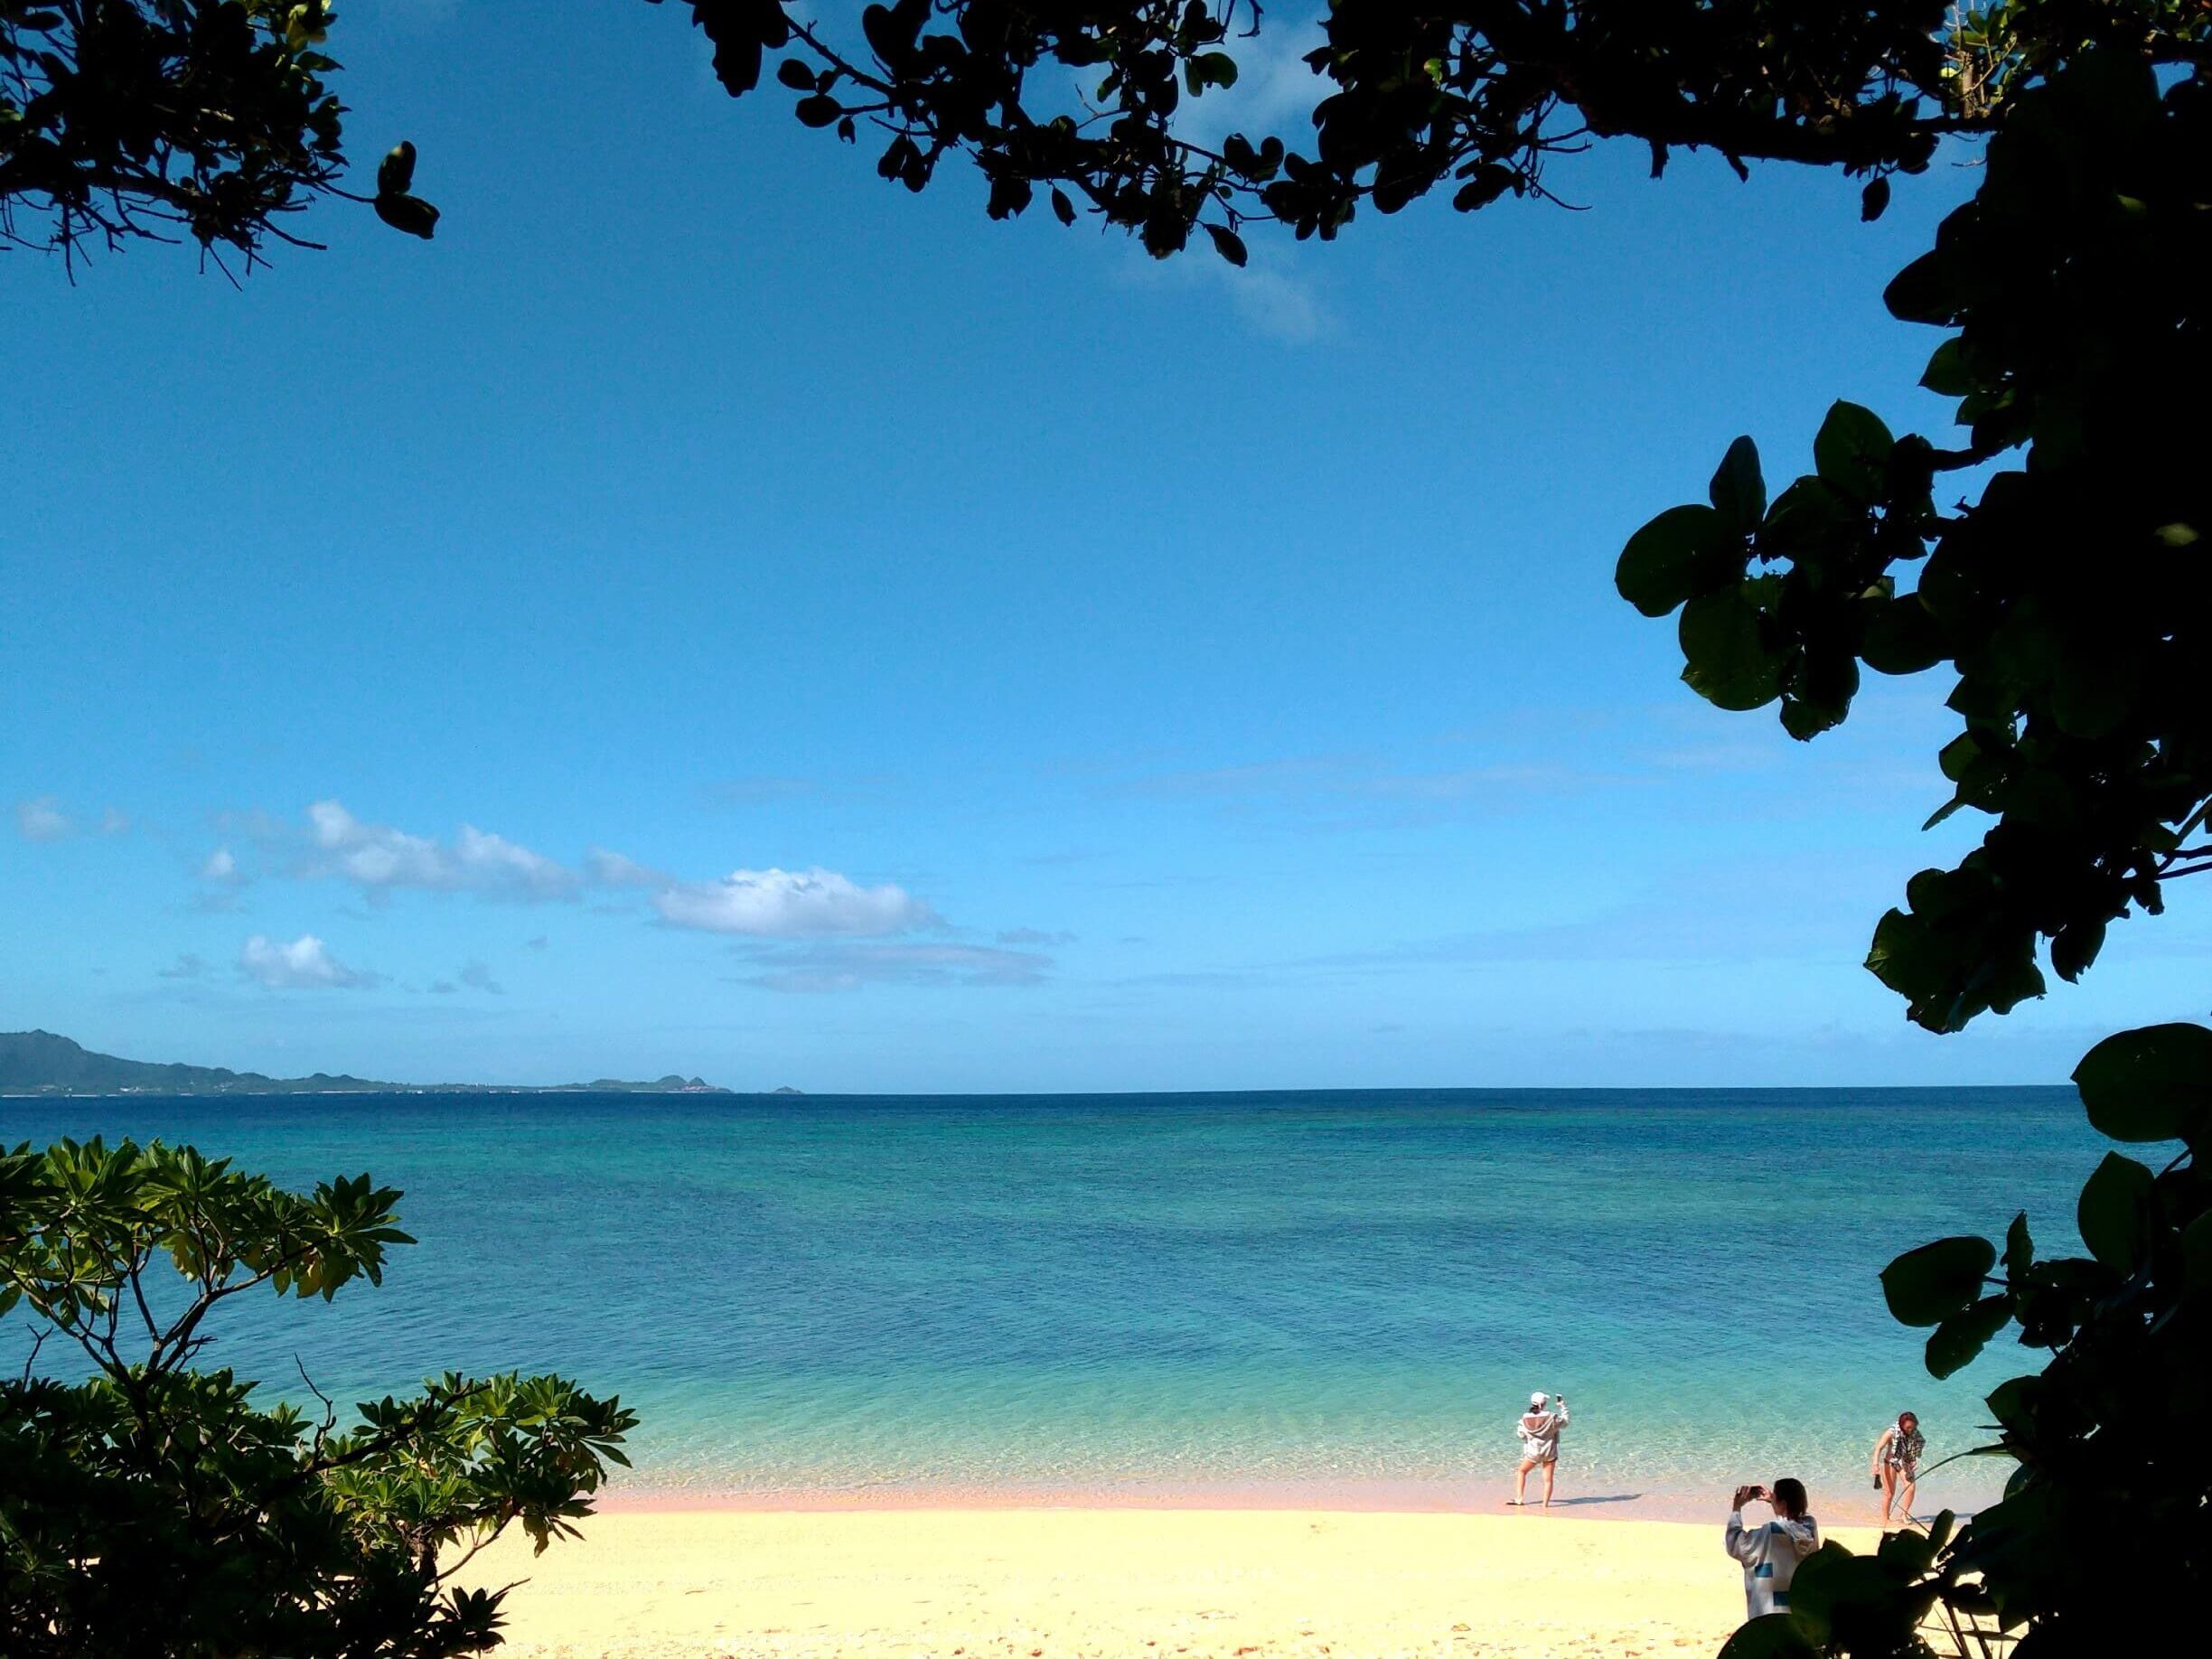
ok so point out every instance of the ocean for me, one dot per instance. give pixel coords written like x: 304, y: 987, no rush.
x: 1281, y: 1297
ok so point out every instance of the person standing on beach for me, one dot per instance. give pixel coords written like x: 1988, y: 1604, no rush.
x: 1539, y: 1429
x: 1770, y: 1553
x: 1896, y: 1463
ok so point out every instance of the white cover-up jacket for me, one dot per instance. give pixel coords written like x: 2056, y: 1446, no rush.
x: 1769, y: 1555
x: 1539, y: 1433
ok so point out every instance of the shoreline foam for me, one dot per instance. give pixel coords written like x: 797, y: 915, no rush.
x: 1407, y: 1498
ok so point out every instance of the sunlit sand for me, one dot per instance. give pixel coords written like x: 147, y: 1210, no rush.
x: 1045, y: 1583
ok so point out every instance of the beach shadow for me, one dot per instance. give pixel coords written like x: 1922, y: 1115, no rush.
x: 1617, y: 1497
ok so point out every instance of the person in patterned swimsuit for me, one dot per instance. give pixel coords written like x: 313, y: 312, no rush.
x: 1897, y: 1464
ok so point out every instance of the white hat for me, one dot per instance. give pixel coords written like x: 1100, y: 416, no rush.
x: 1537, y: 1397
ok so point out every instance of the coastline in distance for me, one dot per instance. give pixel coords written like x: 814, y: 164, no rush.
x: 38, y: 1063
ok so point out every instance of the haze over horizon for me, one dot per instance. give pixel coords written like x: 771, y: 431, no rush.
x: 742, y: 619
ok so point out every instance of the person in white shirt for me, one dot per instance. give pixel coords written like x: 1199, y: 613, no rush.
x: 1539, y: 1429
x: 1770, y: 1553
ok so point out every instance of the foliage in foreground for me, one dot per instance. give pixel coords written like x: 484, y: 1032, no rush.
x: 2070, y: 599
x: 210, y: 119
x: 2074, y: 602
x: 2102, y: 1527
x: 156, y: 1510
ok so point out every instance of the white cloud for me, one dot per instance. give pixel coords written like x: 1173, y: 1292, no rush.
x: 1276, y: 88
x: 41, y: 820
x: 493, y: 861
x: 220, y: 883
x: 842, y: 967
x: 381, y: 858
x: 115, y: 820
x: 1277, y: 299
x: 188, y: 966
x: 303, y: 964
x: 610, y: 869
x: 792, y: 903
x: 776, y: 903
x: 811, y: 911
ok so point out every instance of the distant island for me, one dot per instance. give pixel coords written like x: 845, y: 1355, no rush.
x: 40, y: 1062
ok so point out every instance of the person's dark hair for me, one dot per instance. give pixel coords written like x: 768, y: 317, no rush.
x: 1789, y: 1496
x: 1908, y: 1417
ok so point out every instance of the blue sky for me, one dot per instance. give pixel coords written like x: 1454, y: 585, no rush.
x: 712, y: 611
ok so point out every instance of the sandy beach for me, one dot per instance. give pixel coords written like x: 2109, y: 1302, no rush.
x: 1060, y: 1583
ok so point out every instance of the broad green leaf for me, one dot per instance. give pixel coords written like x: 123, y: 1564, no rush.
x: 396, y: 172
x: 1215, y: 69
x: 1958, y: 1339
x: 2117, y: 1212
x: 1946, y: 374
x: 1851, y: 450
x: 1832, y: 1586
x: 1725, y: 653
x: 1737, y: 492
x: 2152, y: 1084
x: 411, y: 214
x: 2013, y: 1403
x: 1939, y: 1531
x: 1683, y: 551
x: 1906, y: 1553
x: 1805, y: 518
x: 1926, y: 1286
x: 2020, y: 1248
x: 1900, y: 637
x: 1922, y: 292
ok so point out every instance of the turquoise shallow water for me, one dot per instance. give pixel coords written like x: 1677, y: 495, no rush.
x: 1343, y: 1295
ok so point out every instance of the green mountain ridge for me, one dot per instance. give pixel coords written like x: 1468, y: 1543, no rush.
x: 40, y: 1063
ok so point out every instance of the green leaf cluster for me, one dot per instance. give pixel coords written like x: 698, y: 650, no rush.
x: 2110, y: 1434
x: 154, y: 1509
x: 2070, y: 602
x: 125, y: 119
x: 1094, y: 102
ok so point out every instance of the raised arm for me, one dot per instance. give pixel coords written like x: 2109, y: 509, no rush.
x: 1741, y: 1545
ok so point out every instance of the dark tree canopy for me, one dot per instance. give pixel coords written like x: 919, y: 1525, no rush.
x: 1091, y: 102
x: 2073, y: 599
x: 210, y: 119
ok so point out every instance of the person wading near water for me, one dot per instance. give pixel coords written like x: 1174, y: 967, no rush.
x: 1770, y: 1553
x: 1897, y: 1464
x: 1539, y: 1429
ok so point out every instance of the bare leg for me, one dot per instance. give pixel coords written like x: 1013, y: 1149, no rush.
x: 1905, y: 1507
x: 1889, y: 1480
x: 1550, y: 1469
x: 1521, y: 1482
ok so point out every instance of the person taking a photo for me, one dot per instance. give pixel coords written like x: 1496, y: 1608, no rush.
x: 1770, y: 1552
x: 1539, y: 1429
